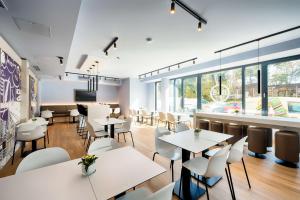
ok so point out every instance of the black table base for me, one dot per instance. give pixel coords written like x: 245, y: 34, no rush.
x: 287, y: 164
x: 210, y: 182
x: 112, y: 130
x: 184, y: 188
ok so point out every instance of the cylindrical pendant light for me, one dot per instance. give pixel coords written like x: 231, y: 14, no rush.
x: 220, y: 75
x: 172, y: 11
x: 258, y: 71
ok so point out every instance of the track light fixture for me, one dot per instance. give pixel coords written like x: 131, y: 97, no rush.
x: 112, y: 43
x: 61, y: 60
x: 199, y: 26
x: 172, y: 11
x: 189, y: 10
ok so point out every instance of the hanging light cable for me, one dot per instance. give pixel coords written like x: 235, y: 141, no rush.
x: 220, y: 75
x: 258, y: 70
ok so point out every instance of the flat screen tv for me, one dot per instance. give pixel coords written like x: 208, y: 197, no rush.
x: 84, y: 95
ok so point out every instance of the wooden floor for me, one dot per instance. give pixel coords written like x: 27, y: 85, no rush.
x: 268, y: 180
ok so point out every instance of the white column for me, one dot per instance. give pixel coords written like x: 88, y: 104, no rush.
x: 165, y: 95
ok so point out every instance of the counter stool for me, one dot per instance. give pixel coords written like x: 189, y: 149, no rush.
x: 202, y: 124
x: 287, y: 148
x: 258, y: 141
x: 216, y: 126
x: 235, y: 130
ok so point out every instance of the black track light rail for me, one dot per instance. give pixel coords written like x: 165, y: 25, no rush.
x: 258, y: 39
x: 90, y: 75
x: 113, y: 42
x: 141, y: 76
x: 190, y: 11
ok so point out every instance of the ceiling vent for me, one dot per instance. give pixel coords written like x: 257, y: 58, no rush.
x: 32, y: 27
x: 3, y: 4
x: 36, y: 68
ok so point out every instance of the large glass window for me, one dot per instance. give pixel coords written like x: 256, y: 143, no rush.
x: 171, y: 96
x: 252, y: 98
x: 178, y: 95
x: 190, y: 94
x: 284, y: 89
x: 230, y: 99
x: 158, y: 96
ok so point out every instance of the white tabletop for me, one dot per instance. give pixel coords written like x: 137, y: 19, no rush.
x: 109, y: 121
x: 60, y: 182
x: 213, y: 136
x: 189, y: 141
x: 121, y: 169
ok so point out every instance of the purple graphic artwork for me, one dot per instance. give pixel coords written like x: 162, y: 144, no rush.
x: 10, y: 86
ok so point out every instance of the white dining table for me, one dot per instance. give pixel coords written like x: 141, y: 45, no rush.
x: 109, y: 122
x: 116, y: 171
x: 189, y: 142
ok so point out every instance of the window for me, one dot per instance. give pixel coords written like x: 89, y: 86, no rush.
x: 190, y: 94
x: 284, y: 89
x: 230, y: 99
x: 252, y: 98
x: 178, y: 95
x: 158, y: 96
x: 171, y: 96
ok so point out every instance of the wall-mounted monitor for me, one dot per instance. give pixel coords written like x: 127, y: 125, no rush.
x: 84, y: 95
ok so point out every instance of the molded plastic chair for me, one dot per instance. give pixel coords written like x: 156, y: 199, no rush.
x: 165, y: 193
x: 181, y: 127
x: 162, y: 117
x: 43, y: 158
x: 126, y: 128
x: 208, y: 168
x: 74, y: 113
x: 235, y: 155
x: 103, y: 144
x: 93, y: 134
x: 165, y: 149
x: 145, y: 115
x: 28, y: 132
x: 47, y: 114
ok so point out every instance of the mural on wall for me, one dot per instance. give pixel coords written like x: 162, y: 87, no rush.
x: 33, y: 92
x: 10, y: 98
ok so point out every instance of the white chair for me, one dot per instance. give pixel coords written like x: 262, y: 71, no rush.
x: 165, y: 149
x: 47, y: 114
x: 103, y: 144
x: 43, y: 158
x: 181, y: 127
x: 117, y: 111
x: 91, y: 133
x: 44, y: 124
x: 235, y: 155
x: 28, y: 132
x: 162, y: 118
x: 208, y: 168
x: 145, y: 116
x: 166, y: 193
x: 126, y: 128
x: 74, y: 113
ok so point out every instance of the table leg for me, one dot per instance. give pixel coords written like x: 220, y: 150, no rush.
x: 33, y: 148
x: 73, y: 119
x: 151, y: 120
x: 184, y: 187
x: 106, y: 128
x: 112, y: 131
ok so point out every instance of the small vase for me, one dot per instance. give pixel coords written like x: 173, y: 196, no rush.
x: 91, y: 169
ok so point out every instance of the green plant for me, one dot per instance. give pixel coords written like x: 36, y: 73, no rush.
x: 197, y: 130
x: 87, y: 161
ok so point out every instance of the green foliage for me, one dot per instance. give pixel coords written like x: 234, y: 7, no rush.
x: 87, y: 161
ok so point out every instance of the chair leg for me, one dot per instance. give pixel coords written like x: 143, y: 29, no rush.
x: 12, y: 161
x: 124, y: 137
x: 230, y: 177
x: 118, y: 137
x: 172, y: 169
x: 131, y: 138
x: 229, y: 184
x: 154, y: 156
x: 207, y: 195
x: 246, y: 173
x: 48, y: 136
x: 44, y: 141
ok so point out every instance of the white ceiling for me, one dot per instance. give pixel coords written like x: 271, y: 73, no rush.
x: 175, y: 37
x: 59, y: 15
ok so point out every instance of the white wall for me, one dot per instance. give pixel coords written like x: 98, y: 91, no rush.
x: 62, y: 92
x: 124, y: 96
x: 138, y: 94
x: 150, y: 96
